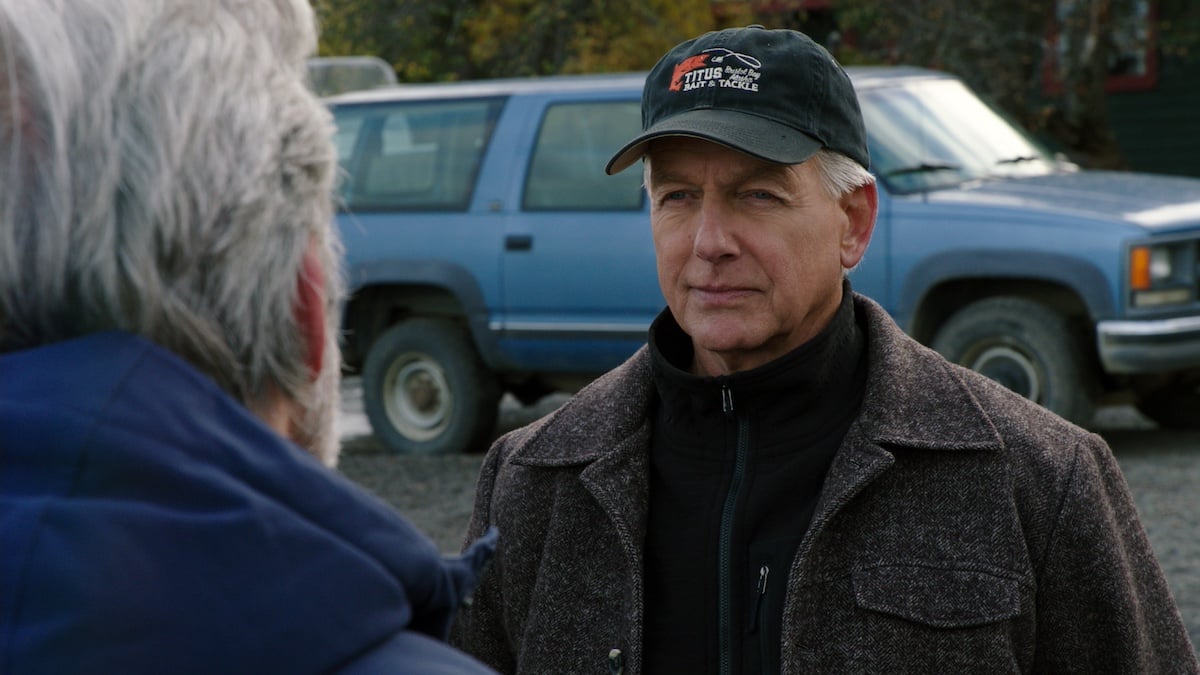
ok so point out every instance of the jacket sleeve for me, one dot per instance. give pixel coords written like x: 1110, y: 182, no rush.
x: 1103, y: 602
x: 479, y: 627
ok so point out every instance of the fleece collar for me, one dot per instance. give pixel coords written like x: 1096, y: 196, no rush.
x: 914, y: 398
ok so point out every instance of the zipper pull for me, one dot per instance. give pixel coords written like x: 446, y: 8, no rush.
x: 726, y: 400
x: 616, y: 662
x: 761, y: 588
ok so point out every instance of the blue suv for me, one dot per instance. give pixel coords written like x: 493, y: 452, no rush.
x: 488, y: 252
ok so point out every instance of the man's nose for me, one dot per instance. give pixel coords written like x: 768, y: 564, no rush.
x: 715, y: 237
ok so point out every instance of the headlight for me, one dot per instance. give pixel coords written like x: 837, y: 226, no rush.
x: 1160, y: 274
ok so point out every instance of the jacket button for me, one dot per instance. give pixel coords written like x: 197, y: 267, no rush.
x: 616, y: 662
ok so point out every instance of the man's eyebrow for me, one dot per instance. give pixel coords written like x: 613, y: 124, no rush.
x: 666, y: 177
x: 776, y: 171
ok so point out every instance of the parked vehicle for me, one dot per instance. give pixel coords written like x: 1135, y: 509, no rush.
x: 329, y: 75
x: 488, y: 252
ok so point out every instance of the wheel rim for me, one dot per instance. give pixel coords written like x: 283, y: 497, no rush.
x: 417, y: 397
x: 1011, y: 368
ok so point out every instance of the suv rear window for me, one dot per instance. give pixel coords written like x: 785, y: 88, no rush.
x: 412, y: 156
x: 573, y: 145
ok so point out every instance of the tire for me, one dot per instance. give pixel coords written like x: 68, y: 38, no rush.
x: 1174, y: 406
x: 1028, y: 348
x: 426, y: 391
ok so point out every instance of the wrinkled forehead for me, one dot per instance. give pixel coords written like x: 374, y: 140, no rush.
x: 687, y: 157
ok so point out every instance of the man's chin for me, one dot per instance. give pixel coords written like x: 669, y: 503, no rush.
x: 728, y: 335
x: 724, y: 354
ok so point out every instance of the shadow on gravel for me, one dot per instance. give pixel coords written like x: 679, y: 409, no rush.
x: 1149, y: 442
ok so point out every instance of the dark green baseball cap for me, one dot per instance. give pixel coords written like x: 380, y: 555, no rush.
x: 773, y: 94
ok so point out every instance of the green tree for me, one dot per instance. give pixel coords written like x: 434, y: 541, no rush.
x: 470, y: 39
x: 1005, y: 50
x: 1179, y: 35
x: 423, y: 39
x: 537, y: 37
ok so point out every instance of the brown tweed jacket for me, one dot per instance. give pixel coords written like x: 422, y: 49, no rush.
x: 961, y: 528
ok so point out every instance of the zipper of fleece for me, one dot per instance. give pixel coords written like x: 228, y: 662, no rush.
x: 725, y: 637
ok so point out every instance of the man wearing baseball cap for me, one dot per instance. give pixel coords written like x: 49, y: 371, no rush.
x: 782, y: 480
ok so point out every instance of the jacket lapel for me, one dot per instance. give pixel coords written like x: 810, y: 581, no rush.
x: 609, y: 440
x: 915, y: 399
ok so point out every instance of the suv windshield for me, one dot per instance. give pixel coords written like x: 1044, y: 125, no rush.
x: 936, y: 133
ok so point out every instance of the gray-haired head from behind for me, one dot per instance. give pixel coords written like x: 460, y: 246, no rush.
x: 163, y: 170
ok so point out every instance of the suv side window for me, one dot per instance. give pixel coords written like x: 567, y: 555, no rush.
x: 573, y: 145
x: 418, y: 156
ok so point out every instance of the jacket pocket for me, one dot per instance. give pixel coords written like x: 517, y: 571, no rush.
x: 941, y: 595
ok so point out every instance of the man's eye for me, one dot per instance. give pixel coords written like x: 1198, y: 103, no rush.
x: 760, y: 195
x: 675, y: 196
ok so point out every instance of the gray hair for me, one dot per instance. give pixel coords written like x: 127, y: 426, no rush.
x: 839, y: 174
x: 163, y: 170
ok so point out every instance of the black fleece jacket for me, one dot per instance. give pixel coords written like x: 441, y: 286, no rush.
x: 737, y: 464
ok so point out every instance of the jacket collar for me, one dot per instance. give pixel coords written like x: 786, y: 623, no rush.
x: 915, y: 398
x: 601, y: 417
x: 605, y: 431
x: 607, y: 428
x: 808, y: 394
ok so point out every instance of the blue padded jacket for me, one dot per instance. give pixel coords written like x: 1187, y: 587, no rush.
x: 150, y: 523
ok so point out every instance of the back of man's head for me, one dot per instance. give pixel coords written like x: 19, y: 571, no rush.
x: 164, y: 171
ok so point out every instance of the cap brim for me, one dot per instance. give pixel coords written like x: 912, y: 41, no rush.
x: 753, y: 135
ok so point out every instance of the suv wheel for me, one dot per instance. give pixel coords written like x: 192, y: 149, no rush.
x: 1025, y: 346
x: 425, y: 389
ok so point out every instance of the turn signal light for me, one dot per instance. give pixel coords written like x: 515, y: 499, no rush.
x: 1139, y: 268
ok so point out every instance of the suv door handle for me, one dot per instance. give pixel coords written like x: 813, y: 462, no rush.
x: 518, y: 242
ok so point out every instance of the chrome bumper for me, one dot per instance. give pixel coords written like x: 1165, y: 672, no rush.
x: 1149, y: 346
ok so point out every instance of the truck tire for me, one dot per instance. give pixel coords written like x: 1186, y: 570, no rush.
x: 1174, y: 406
x: 1025, y: 346
x: 426, y: 391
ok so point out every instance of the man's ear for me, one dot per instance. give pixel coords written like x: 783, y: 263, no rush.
x: 861, y: 206
x: 310, y: 308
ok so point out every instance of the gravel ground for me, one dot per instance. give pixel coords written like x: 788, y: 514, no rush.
x: 1163, y: 472
x: 435, y: 492
x: 1161, y: 467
